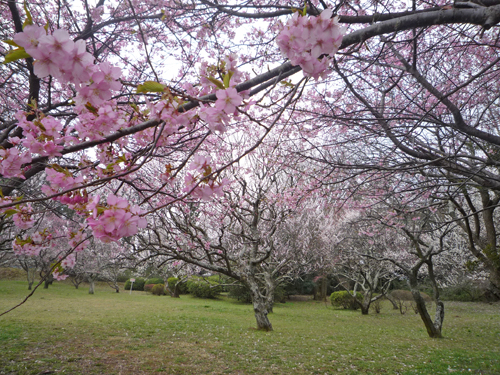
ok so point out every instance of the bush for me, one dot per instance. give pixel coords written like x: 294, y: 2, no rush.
x: 204, y: 287
x: 405, y: 295
x: 345, y: 299
x: 158, y: 289
x: 242, y: 294
x: 301, y: 286
x: 182, y: 287
x: 155, y: 280
x: 280, y: 294
x: 138, y: 284
x: 148, y: 287
x: 376, y: 306
x: 464, y: 292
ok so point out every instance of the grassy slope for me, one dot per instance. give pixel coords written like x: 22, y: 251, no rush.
x: 66, y: 330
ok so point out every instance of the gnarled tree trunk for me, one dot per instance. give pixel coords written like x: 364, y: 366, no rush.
x: 433, y: 327
x: 260, y: 306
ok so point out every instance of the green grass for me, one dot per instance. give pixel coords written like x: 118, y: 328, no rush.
x: 68, y: 331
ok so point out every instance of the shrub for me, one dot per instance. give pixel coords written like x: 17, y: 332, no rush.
x: 155, y: 280
x: 345, y: 299
x: 242, y: 294
x: 182, y: 287
x: 148, y: 287
x: 403, y: 298
x: 376, y: 306
x: 405, y: 295
x: 138, y: 284
x: 158, y: 289
x: 302, y: 286
x: 280, y: 294
x: 203, y: 287
x: 464, y: 292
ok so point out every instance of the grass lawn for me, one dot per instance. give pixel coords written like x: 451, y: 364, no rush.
x: 64, y: 330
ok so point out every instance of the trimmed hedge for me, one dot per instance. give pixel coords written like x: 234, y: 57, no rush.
x: 138, y: 284
x: 207, y: 287
x: 158, y: 290
x: 345, y: 299
x: 155, y: 280
x: 148, y: 287
x: 242, y: 294
x: 182, y: 287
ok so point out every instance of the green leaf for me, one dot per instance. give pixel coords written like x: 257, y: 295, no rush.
x: 287, y: 84
x: 10, y: 212
x: 29, y: 19
x: 227, y: 78
x: 16, y: 54
x: 57, y: 266
x: 150, y: 86
x: 11, y: 43
x: 304, y: 11
x: 91, y: 108
x: 216, y: 82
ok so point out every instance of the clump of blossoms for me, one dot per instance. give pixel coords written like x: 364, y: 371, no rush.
x: 115, y: 220
x: 57, y: 55
x: 310, y: 41
x: 208, y: 186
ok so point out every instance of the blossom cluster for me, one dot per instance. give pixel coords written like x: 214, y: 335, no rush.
x: 309, y: 41
x: 68, y: 61
x: 11, y: 161
x: 31, y: 245
x: 115, y: 220
x: 207, y: 186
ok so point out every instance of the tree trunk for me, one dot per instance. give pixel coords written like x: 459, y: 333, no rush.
x: 365, y: 304
x: 260, y: 311
x: 433, y: 328
x: 259, y: 307
x: 270, y: 288
x: 48, y: 279
x: 176, y: 293
x: 31, y: 272
x: 393, y: 301
x: 494, y: 287
x: 91, y: 286
x: 324, y: 286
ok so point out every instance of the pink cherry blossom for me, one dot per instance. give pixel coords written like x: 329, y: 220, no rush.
x: 228, y: 100
x: 30, y: 38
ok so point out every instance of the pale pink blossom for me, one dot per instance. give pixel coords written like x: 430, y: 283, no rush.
x: 228, y: 100
x: 30, y: 38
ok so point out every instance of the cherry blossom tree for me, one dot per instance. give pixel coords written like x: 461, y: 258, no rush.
x: 381, y: 90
